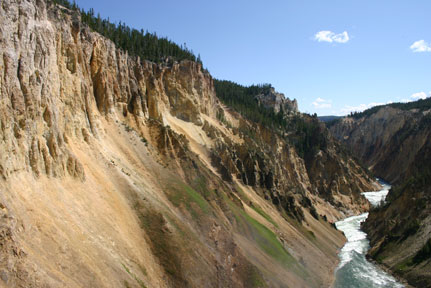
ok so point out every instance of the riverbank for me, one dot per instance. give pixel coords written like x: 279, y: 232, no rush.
x: 354, y: 269
x: 390, y: 272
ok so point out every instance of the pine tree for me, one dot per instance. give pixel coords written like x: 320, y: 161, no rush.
x: 146, y: 45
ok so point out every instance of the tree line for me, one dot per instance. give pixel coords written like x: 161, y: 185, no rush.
x: 304, y: 131
x: 139, y: 43
x: 243, y: 100
x: 305, y: 134
x: 421, y: 105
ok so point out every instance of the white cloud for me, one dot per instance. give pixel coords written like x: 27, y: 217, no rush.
x: 329, y: 36
x: 359, y: 108
x: 420, y: 95
x: 421, y: 46
x: 324, y: 36
x: 342, y: 38
x: 320, y: 103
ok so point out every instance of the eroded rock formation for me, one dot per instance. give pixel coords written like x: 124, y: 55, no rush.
x: 115, y: 172
x: 395, y: 144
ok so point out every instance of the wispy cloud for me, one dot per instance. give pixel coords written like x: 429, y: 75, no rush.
x: 420, y: 95
x: 329, y: 36
x: 421, y: 46
x: 320, y: 103
x: 359, y: 108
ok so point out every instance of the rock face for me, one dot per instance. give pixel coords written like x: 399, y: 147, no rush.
x: 396, y: 144
x: 286, y: 176
x: 278, y: 102
x: 386, y: 141
x: 115, y: 172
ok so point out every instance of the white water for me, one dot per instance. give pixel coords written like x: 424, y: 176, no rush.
x: 354, y: 271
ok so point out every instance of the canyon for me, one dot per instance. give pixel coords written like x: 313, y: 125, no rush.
x: 394, y: 142
x: 120, y: 172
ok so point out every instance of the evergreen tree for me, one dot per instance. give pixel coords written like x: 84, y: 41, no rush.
x: 148, y: 46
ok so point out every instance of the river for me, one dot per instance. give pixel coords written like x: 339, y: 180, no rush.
x: 354, y: 270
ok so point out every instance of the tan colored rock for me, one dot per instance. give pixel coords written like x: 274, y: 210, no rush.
x: 107, y: 178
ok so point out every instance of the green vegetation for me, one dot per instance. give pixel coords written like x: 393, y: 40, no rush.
x: 139, y: 43
x: 254, y: 279
x: 306, y: 133
x: 180, y: 193
x: 164, y: 247
x: 311, y: 234
x: 329, y: 118
x: 254, y: 206
x: 265, y: 238
x: 127, y: 127
x: 421, y: 105
x: 262, y: 213
x: 151, y: 47
x: 420, y: 179
x: 379, y: 259
x: 412, y: 228
x: 401, y: 267
x: 242, y: 99
x: 140, y: 282
x: 309, y: 136
x: 424, y: 253
x: 199, y: 184
x: 421, y: 255
x: 221, y: 117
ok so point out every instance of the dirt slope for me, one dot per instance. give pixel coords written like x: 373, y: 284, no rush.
x: 116, y: 172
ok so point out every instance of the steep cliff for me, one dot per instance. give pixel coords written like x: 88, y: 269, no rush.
x: 278, y: 102
x: 118, y: 172
x: 387, y: 141
x: 395, y: 143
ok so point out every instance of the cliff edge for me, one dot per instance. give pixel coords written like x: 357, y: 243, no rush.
x: 119, y: 172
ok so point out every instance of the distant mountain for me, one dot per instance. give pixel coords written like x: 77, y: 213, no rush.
x: 420, y: 105
x: 329, y: 118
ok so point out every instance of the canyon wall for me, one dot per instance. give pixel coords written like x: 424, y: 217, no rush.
x: 116, y: 172
x: 386, y: 141
x: 395, y: 144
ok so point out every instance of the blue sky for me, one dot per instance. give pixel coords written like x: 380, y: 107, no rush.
x: 380, y: 50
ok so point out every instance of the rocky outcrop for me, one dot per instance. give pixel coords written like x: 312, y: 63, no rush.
x: 386, y: 141
x: 116, y: 171
x: 395, y: 144
x: 278, y: 102
x: 327, y: 175
x: 57, y: 73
